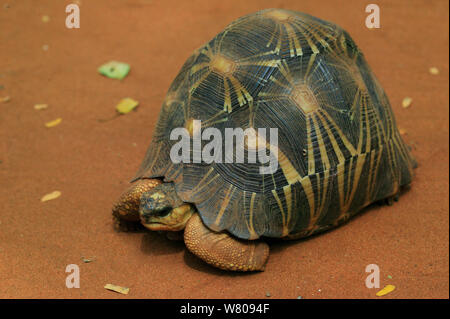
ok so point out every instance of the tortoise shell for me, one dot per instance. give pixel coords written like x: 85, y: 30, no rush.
x: 339, y: 149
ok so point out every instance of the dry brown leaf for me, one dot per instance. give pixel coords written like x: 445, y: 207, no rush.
x: 386, y: 290
x: 87, y: 260
x: 406, y: 102
x: 119, y: 289
x: 434, y: 70
x: 50, y: 196
x: 126, y: 105
x: 53, y: 123
x: 40, y: 106
x: 5, y: 99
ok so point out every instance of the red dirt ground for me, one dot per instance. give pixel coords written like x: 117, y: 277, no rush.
x: 91, y: 162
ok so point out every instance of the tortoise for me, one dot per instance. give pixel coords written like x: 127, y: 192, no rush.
x: 338, y: 149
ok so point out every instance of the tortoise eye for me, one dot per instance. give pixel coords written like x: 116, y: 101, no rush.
x: 163, y: 212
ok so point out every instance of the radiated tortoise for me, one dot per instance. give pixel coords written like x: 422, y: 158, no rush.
x: 338, y: 148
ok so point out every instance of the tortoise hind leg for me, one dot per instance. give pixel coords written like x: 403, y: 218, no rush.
x: 391, y: 199
x: 395, y: 197
x: 222, y: 250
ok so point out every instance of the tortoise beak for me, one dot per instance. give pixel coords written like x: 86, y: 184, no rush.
x: 148, y: 216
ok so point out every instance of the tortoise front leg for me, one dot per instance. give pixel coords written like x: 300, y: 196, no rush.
x: 126, y: 208
x: 222, y: 250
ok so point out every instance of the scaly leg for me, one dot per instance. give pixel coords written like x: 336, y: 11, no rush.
x: 126, y: 208
x: 223, y: 250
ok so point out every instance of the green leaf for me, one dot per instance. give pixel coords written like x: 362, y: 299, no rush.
x: 114, y: 70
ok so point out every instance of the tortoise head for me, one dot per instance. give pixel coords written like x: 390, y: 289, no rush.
x: 161, y: 209
x: 155, y: 204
